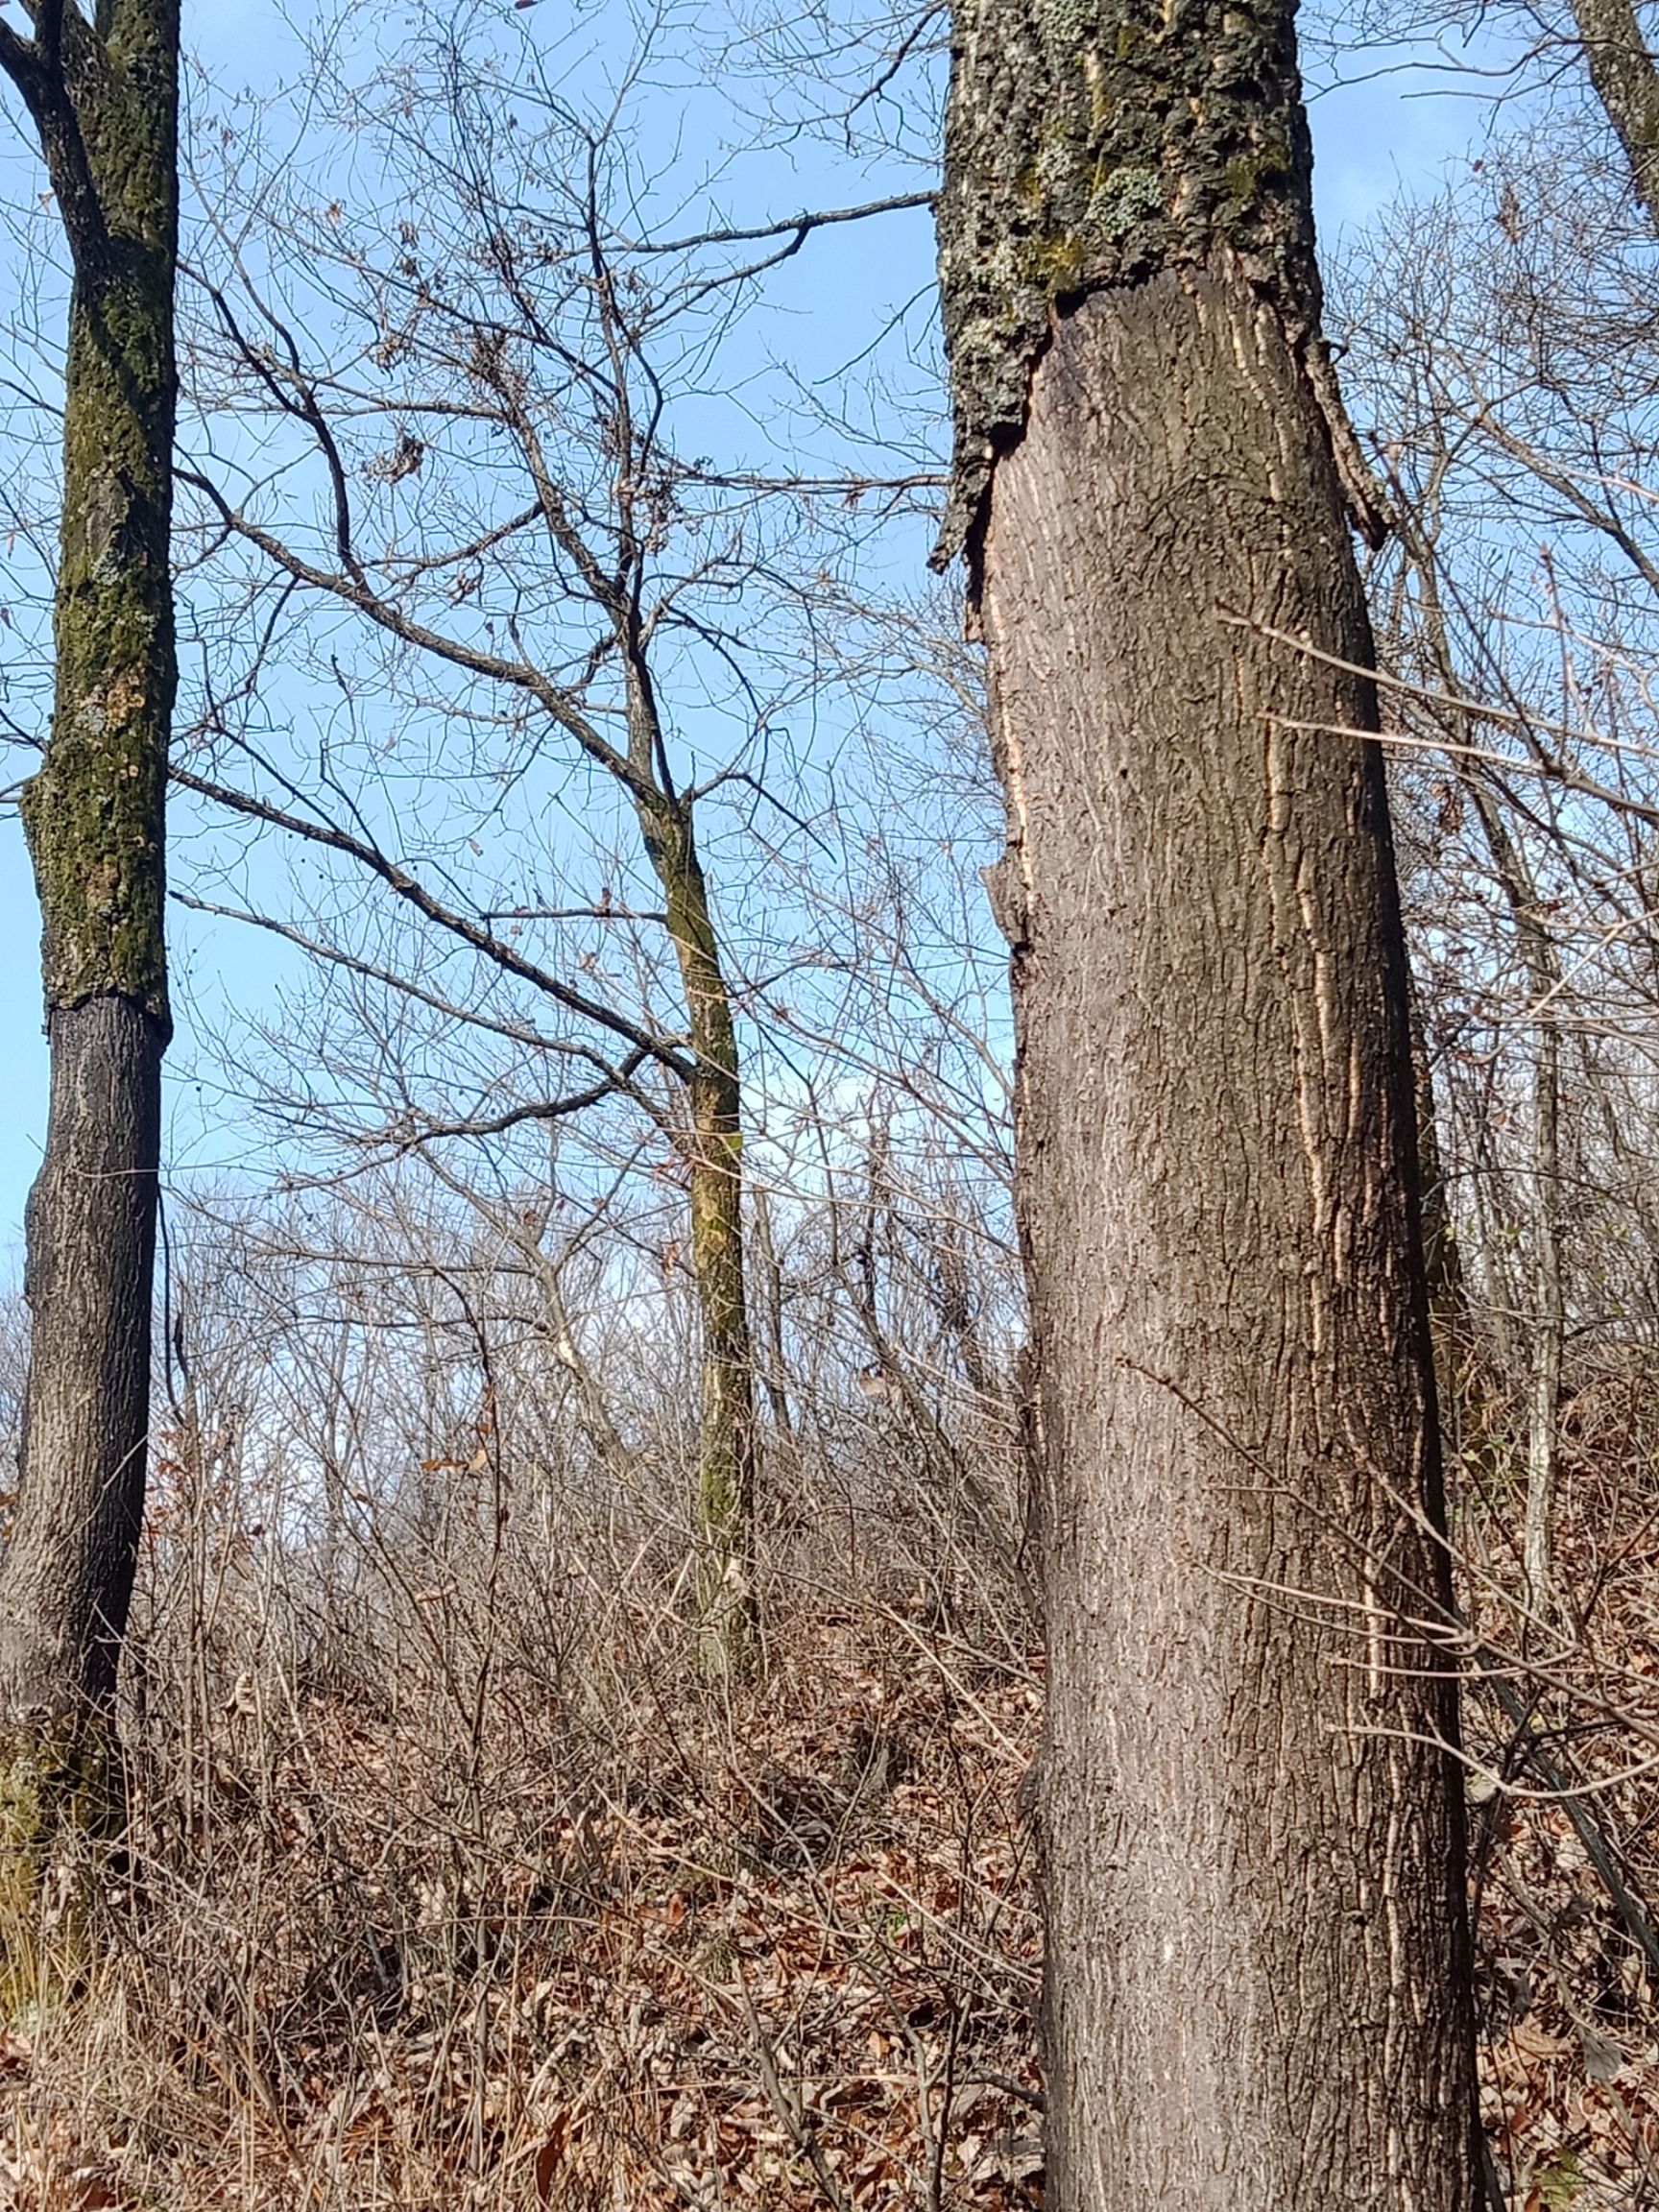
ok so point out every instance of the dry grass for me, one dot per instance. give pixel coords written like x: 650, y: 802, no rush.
x: 1562, y: 1718
x: 486, y: 1901
x: 459, y: 1889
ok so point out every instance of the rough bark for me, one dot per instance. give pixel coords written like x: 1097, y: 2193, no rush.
x: 1627, y: 85
x: 1258, y: 1992
x: 726, y: 1479
x: 104, y: 98
x: 1254, y: 1857
x: 68, y: 1574
x: 1089, y: 143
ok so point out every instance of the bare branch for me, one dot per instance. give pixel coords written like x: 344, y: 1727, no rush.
x: 482, y: 941
x: 520, y: 675
x: 800, y: 225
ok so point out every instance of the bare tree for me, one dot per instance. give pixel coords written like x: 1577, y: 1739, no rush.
x: 1500, y: 328
x: 481, y: 383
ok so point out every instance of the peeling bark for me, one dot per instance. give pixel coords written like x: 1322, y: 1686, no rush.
x: 1090, y: 144
x: 1258, y: 1995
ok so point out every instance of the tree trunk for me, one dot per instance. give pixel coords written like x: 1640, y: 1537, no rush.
x: 1547, y: 1332
x: 728, y: 1607
x: 1257, y: 1989
x: 104, y: 98
x: 1549, y: 1321
x: 776, y: 1372
x: 1627, y: 85
x: 1442, y: 1263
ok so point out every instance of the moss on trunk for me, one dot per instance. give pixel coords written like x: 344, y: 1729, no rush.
x: 728, y: 1611
x: 104, y: 97
x: 61, y: 1815
x: 1091, y: 144
x: 94, y: 814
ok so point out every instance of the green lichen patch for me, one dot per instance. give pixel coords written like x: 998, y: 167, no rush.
x: 94, y: 815
x: 1559, y: 2186
x: 1123, y: 199
x: 61, y: 1815
x: 1092, y: 143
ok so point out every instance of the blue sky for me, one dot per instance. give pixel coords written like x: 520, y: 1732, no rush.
x: 1371, y: 139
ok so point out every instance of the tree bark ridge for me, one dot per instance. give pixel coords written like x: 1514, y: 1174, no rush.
x: 1257, y: 1989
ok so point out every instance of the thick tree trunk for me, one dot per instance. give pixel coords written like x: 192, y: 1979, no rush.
x: 1254, y: 1849
x: 68, y: 1574
x: 1257, y: 1991
x: 104, y: 97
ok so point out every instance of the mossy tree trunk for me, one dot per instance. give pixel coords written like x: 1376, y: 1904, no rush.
x: 1257, y: 1989
x: 728, y: 1607
x: 103, y: 94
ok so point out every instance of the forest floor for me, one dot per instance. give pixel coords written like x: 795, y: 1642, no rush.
x: 639, y: 1948
x: 1563, y: 1717
x: 790, y: 1960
